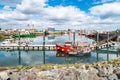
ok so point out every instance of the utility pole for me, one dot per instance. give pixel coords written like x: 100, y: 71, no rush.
x: 44, y: 46
x: 19, y: 39
x: 19, y: 52
x: 97, y: 40
x: 44, y: 40
x: 97, y: 37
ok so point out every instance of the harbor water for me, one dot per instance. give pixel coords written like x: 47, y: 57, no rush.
x: 15, y: 58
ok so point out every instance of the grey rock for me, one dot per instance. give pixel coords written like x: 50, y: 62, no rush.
x: 103, y: 78
x: 13, y: 77
x: 116, y: 70
x: 0, y: 78
x: 118, y: 75
x: 101, y: 74
x: 112, y: 77
x: 105, y: 71
x: 4, y: 75
x: 84, y: 76
x: 92, y: 75
x: 110, y: 69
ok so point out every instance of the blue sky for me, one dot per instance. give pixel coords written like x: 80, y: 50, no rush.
x: 81, y: 4
x: 61, y: 14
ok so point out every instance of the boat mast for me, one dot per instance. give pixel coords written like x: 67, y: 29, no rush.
x: 73, y: 37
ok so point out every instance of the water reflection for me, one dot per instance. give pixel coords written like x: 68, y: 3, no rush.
x: 51, y: 37
x: 107, y: 54
x: 47, y: 57
x: 43, y: 56
x: 31, y: 57
x: 15, y: 58
x: 97, y: 56
x: 19, y: 57
x: 73, y: 60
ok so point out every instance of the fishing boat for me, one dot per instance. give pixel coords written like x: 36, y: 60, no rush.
x: 25, y: 35
x: 90, y: 35
x: 8, y: 41
x: 69, y: 50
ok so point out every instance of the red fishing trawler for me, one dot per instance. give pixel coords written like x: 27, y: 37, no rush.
x: 72, y: 50
x: 66, y: 48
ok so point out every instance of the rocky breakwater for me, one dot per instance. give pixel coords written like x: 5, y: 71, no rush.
x: 97, y: 71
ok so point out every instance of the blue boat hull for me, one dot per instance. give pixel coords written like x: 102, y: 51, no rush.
x: 81, y: 54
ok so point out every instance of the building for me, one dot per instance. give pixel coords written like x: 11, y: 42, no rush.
x: 51, y: 29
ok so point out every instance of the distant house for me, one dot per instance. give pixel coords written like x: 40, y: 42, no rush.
x: 23, y: 31
x: 51, y: 29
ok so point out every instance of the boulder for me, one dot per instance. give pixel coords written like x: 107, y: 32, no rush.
x: 112, y: 77
x: 4, y: 75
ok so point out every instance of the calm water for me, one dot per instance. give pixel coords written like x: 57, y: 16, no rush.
x: 15, y: 58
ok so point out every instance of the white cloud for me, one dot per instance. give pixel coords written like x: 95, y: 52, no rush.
x: 11, y: 3
x: 2, y: 16
x: 103, y: 1
x: 6, y: 15
x: 31, y: 6
x: 16, y: 15
x: 42, y: 15
x: 54, y: 16
x: 109, y: 12
x: 64, y: 14
x: 7, y: 8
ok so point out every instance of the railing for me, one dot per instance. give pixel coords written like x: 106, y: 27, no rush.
x: 105, y: 40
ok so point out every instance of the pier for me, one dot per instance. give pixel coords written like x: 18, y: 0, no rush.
x: 105, y: 43
x: 28, y: 47
x: 36, y: 47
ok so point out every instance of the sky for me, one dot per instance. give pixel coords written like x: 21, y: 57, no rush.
x: 60, y: 14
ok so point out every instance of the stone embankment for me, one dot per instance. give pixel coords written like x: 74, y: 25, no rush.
x: 97, y: 71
